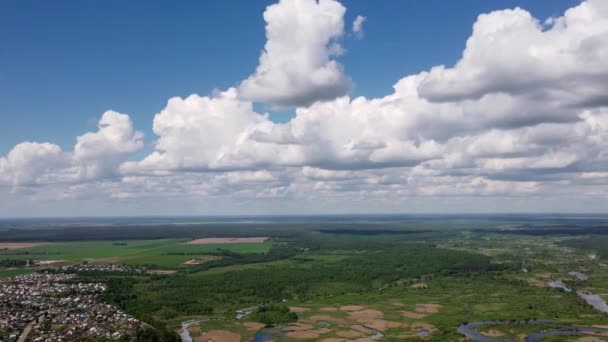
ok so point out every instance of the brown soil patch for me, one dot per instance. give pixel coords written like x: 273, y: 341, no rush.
x: 253, y: 326
x: 351, y: 308
x: 298, y: 309
x: 427, y: 308
x: 323, y: 331
x: 493, y: 333
x: 413, y: 315
x: 423, y: 326
x: 599, y: 326
x: 326, y: 318
x: 333, y: 339
x: 419, y: 286
x: 536, y: 282
x: 194, y: 329
x: 215, y: 241
x: 328, y: 309
x: 298, y: 327
x: 382, y: 325
x: 219, y: 336
x: 590, y: 339
x: 17, y: 245
x: 349, y: 334
x: 365, y: 315
x: 302, y: 334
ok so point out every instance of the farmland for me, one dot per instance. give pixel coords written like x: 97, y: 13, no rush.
x: 343, y: 280
x: 164, y: 252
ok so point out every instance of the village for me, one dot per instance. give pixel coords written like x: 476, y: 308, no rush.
x: 56, y: 307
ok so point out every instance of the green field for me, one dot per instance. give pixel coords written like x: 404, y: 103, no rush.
x: 132, y: 252
x: 404, y: 282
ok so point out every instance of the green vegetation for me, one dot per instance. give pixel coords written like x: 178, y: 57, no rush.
x: 166, y: 252
x: 274, y: 314
x: 430, y: 274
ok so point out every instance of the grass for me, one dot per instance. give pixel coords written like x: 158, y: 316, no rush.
x: 135, y: 252
x: 15, y: 272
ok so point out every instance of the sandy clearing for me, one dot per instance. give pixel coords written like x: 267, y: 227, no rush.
x: 214, y: 241
x: 427, y: 308
x: 333, y: 339
x: 51, y: 262
x: 302, y: 334
x: 352, y: 308
x: 219, y: 336
x: 536, y: 282
x: 298, y: 309
x: 323, y: 331
x: 194, y: 329
x: 413, y: 315
x: 382, y: 325
x: 328, y: 309
x: 17, y: 245
x: 349, y: 334
x: 423, y: 326
x: 253, y: 326
x: 493, y: 333
x: 365, y: 315
x: 202, y: 260
x: 419, y: 286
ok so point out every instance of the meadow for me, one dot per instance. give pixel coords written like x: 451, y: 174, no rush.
x: 336, y: 281
x: 163, y: 252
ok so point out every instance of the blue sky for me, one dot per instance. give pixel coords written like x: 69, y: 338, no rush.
x: 62, y: 64
x: 287, y: 106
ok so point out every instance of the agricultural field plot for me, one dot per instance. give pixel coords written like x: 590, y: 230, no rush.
x: 166, y: 252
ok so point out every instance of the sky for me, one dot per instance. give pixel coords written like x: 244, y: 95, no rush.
x: 302, y: 107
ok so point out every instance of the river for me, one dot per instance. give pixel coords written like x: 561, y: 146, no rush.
x: 470, y: 330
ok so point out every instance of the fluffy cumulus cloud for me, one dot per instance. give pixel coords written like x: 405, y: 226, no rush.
x: 95, y: 155
x: 98, y: 154
x: 521, y: 118
x: 358, y: 26
x: 296, y: 66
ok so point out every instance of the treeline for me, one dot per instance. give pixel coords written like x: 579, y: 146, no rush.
x: 598, y: 244
x: 13, y: 262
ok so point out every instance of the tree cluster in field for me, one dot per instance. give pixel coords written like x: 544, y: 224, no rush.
x: 273, y: 314
x: 13, y: 262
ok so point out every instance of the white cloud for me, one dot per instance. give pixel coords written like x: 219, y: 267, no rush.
x: 99, y: 154
x: 511, y: 52
x: 523, y: 114
x: 296, y: 67
x: 27, y: 162
x: 358, y: 26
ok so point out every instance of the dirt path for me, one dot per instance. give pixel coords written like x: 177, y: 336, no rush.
x: 26, y: 331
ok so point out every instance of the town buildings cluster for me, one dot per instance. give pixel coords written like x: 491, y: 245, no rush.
x: 56, y: 307
x: 100, y: 268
